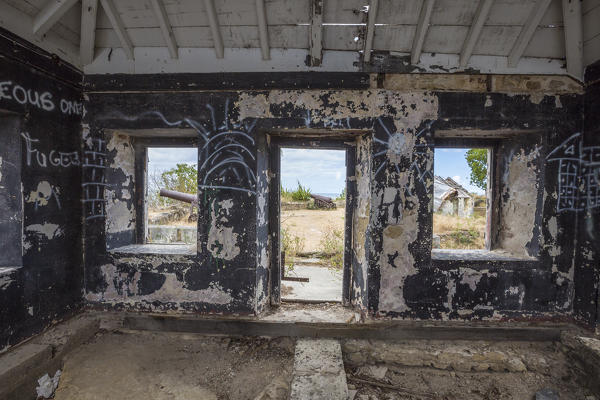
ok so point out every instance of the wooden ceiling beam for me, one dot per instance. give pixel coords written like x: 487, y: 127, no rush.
x: 533, y: 20
x: 119, y: 28
x: 481, y: 15
x: 263, y: 31
x: 50, y: 14
x: 316, y: 34
x: 372, y: 16
x: 87, y: 41
x: 215, y: 29
x: 165, y: 27
x: 573, y: 27
x: 421, y: 32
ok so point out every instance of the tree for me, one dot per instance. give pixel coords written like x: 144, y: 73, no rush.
x: 477, y: 160
x: 182, y: 178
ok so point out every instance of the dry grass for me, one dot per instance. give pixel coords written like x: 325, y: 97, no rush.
x: 459, y: 233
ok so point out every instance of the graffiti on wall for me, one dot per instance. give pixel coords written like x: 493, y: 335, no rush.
x: 53, y: 158
x: 226, y: 156
x: 94, y: 165
x: 395, y: 144
x: 13, y: 92
x: 578, y: 174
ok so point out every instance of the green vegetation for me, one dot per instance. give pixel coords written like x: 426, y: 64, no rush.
x: 332, y: 247
x: 459, y: 232
x: 182, y: 178
x: 291, y: 245
x: 342, y: 195
x: 301, y: 193
x: 477, y: 160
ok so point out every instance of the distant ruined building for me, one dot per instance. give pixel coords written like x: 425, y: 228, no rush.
x: 450, y: 198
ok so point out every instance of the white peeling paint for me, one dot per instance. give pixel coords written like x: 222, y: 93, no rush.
x: 47, y: 230
x: 222, y: 240
x: 41, y: 195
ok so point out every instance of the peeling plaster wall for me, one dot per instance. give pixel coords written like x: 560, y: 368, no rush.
x: 587, y: 261
x: 42, y: 176
x: 120, y: 210
x: 393, y: 271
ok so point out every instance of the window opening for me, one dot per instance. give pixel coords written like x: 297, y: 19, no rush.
x: 461, y: 191
x: 313, y: 201
x: 171, y: 195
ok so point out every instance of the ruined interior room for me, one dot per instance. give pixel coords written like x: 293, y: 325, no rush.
x: 159, y: 239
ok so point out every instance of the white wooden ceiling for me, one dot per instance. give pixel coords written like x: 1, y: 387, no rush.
x: 136, y: 36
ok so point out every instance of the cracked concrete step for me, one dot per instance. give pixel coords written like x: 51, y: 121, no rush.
x: 318, y: 371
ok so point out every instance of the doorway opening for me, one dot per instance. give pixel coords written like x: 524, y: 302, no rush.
x: 313, y: 229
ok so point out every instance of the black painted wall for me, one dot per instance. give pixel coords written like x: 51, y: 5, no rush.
x: 399, y: 278
x: 587, y: 271
x: 41, y: 97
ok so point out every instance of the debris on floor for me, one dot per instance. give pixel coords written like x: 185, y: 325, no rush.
x: 47, y: 385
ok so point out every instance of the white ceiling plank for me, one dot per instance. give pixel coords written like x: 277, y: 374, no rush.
x: 483, y: 10
x: 214, y: 27
x: 316, y: 33
x: 373, y: 6
x: 118, y: 27
x: 165, y: 26
x: 533, y: 20
x: 280, y: 36
x: 422, y: 27
x: 573, y: 28
x: 50, y: 14
x: 263, y: 31
x: 20, y: 24
x: 89, y: 10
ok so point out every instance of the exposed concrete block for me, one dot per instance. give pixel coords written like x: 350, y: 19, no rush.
x: 437, y: 82
x: 20, y: 363
x: 319, y: 370
x: 456, y: 357
x: 585, y: 351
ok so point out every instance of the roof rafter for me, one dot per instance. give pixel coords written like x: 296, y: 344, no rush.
x: 316, y: 33
x: 50, y: 14
x: 89, y: 10
x: 117, y: 24
x: 372, y: 16
x: 533, y: 20
x: 483, y: 10
x: 573, y: 27
x: 263, y: 33
x: 422, y: 27
x: 165, y: 26
x: 214, y: 27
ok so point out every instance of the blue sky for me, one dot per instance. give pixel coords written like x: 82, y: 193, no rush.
x: 323, y: 171
x: 451, y: 163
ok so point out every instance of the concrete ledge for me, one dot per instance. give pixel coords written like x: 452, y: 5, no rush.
x: 23, y: 365
x: 397, y: 330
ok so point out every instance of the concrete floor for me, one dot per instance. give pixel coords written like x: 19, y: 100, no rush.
x: 141, y: 366
x: 325, y: 284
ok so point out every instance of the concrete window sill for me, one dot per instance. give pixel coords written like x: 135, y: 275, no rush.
x: 8, y: 270
x: 168, y: 249
x: 476, y: 255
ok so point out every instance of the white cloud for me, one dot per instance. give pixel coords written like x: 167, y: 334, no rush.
x: 457, y: 178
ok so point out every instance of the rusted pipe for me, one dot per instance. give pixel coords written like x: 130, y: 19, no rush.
x: 185, y: 197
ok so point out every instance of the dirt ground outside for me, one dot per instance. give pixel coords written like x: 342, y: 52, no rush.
x: 311, y: 225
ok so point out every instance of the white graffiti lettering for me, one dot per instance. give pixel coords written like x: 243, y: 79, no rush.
x: 54, y: 158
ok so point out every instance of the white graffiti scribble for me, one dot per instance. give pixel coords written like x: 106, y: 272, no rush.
x: 578, y: 174
x: 93, y: 188
x: 54, y: 158
x: 396, y: 144
x: 226, y: 154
